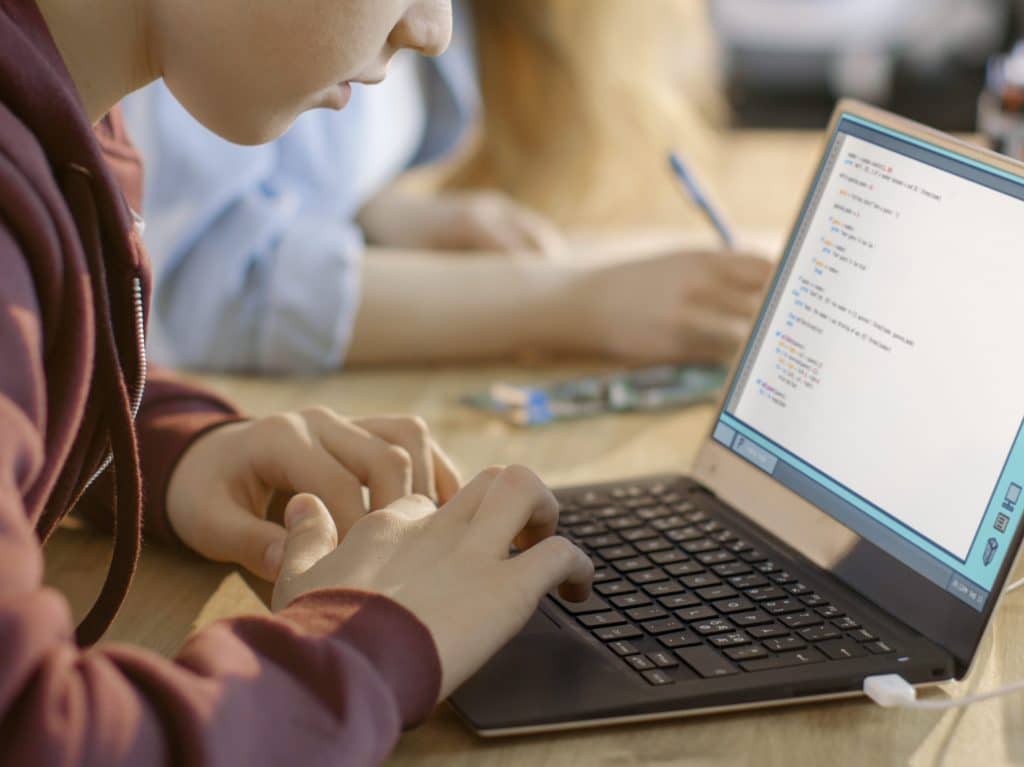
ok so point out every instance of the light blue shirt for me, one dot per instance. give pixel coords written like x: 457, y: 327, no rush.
x: 255, y: 251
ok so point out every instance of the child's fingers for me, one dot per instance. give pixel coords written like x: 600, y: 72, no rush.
x: 554, y: 562
x: 413, y: 436
x: 517, y: 504
x: 446, y: 476
x: 311, y: 535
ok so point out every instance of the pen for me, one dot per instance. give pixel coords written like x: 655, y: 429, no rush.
x: 697, y: 195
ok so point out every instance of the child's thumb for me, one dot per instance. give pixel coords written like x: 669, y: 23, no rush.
x: 311, y: 534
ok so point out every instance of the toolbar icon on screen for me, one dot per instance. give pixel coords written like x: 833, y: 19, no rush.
x: 1012, y: 496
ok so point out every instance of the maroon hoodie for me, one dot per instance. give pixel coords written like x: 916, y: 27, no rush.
x: 331, y: 679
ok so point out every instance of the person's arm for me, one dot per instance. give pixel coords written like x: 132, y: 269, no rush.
x: 330, y: 678
x: 682, y: 307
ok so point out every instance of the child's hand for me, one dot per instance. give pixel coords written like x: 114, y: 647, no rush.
x: 684, y: 307
x: 218, y: 494
x: 450, y: 568
x: 479, y: 221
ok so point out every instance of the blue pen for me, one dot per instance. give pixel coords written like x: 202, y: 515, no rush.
x: 696, y: 194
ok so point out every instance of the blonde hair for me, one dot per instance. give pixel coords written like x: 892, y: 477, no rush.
x: 581, y: 106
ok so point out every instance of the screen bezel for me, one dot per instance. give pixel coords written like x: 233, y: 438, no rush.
x: 917, y: 601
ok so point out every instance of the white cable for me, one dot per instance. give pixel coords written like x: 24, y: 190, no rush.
x: 893, y: 691
x: 1014, y: 586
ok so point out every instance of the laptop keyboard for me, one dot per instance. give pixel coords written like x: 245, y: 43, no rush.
x: 675, y: 588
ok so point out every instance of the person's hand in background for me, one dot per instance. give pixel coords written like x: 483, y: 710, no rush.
x: 682, y: 307
x: 483, y: 222
x: 218, y: 495
x: 451, y: 567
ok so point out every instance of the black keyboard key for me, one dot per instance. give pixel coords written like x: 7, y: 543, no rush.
x: 711, y: 526
x: 879, y: 648
x: 573, y: 518
x: 600, y: 541
x: 700, y: 580
x: 750, y: 581
x: 765, y: 593
x: 640, y: 501
x: 784, y: 659
x: 607, y: 512
x: 746, y: 652
x: 652, y: 545
x: 595, y: 620
x: 613, y: 553
x: 646, y: 613
x: 766, y: 567
x: 685, y: 534
x: 664, y: 524
x: 770, y: 630
x: 813, y: 600
x: 593, y: 604
x: 684, y: 568
x: 730, y: 569
x: 647, y: 576
x: 668, y: 557
x: 663, y: 659
x: 797, y: 589
x: 731, y: 639
x: 613, y: 633
x: 820, y: 633
x: 638, y: 534
x: 591, y: 499
x: 676, y: 601
x: 639, y: 662
x: 713, y: 626
x: 830, y: 611
x: 657, y: 677
x: 655, y: 512
x: 635, y: 599
x: 782, y: 577
x: 663, y: 589
x: 846, y: 623
x: 711, y: 593
x: 801, y: 619
x: 663, y: 626
x: 697, y: 613
x: 694, y: 515
x: 783, y: 644
x: 754, y: 618
x: 719, y: 557
x: 632, y: 564
x: 622, y: 647
x: 706, y: 662
x: 724, y: 536
x: 611, y: 588
x: 747, y: 554
x: 781, y: 606
x: 838, y: 649
x: 588, y: 529
x: 699, y: 545
x: 733, y: 605
x: 603, y: 574
x: 623, y: 523
x: 680, y: 639
x: 862, y: 635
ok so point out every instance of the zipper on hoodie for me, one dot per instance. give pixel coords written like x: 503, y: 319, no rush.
x: 141, y: 372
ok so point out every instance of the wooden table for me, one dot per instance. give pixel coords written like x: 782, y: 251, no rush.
x: 174, y: 594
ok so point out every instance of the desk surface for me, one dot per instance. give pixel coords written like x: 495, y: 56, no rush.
x: 174, y: 594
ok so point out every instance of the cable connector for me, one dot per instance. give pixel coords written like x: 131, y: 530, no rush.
x: 890, y: 690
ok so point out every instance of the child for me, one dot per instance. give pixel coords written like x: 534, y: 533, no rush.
x: 259, y: 265
x: 368, y: 634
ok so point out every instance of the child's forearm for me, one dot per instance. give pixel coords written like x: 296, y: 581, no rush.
x: 419, y: 307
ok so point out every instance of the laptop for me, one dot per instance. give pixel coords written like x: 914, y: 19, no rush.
x: 855, y: 509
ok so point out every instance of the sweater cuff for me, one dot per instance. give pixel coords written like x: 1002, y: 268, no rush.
x: 397, y: 644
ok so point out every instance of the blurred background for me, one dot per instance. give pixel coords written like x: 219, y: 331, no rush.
x: 783, y: 63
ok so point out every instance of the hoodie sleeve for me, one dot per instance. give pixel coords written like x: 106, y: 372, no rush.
x: 330, y: 680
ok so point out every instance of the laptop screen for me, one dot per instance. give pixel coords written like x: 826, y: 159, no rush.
x: 884, y: 379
